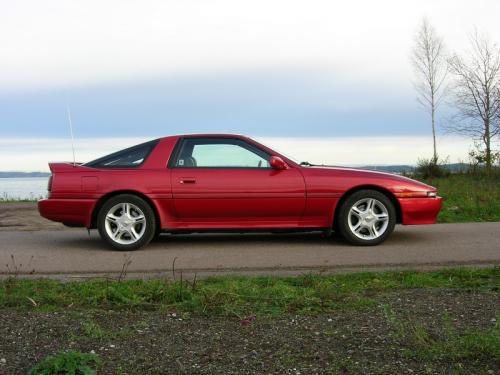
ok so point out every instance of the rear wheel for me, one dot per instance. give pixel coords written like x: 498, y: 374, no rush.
x: 366, y: 218
x: 126, y: 222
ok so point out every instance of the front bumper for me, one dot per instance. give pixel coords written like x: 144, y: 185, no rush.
x: 420, y: 210
x: 75, y: 212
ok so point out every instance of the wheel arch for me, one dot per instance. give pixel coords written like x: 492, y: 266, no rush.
x: 380, y: 189
x: 104, y: 198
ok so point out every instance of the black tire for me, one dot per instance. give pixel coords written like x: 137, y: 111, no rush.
x: 343, y: 226
x: 149, y: 222
x: 157, y: 234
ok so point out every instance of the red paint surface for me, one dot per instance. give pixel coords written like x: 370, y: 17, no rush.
x: 223, y: 198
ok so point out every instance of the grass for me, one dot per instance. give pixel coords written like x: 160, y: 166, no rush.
x: 19, y: 200
x: 94, y: 331
x: 237, y: 296
x: 475, y: 344
x: 468, y: 198
x: 6, y: 198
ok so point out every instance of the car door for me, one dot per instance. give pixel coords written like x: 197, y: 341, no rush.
x: 229, y: 182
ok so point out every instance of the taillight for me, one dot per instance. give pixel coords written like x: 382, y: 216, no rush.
x: 49, y: 185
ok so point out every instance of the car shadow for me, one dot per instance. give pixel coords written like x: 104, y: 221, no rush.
x: 197, y: 240
x: 303, y: 238
x: 200, y: 238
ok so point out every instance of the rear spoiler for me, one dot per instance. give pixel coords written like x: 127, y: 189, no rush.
x: 65, y: 167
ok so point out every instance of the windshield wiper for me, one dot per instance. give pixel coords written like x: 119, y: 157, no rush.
x: 306, y: 164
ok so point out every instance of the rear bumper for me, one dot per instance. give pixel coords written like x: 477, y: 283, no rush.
x: 75, y: 212
x: 420, y: 210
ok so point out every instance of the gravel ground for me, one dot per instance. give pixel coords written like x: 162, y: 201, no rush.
x: 160, y: 342
x: 24, y: 216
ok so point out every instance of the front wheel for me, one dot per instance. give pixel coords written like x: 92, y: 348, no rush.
x: 126, y: 222
x: 366, y: 218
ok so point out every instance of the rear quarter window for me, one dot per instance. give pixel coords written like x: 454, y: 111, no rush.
x: 131, y: 157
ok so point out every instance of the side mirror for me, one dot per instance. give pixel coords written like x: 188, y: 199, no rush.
x: 277, y: 163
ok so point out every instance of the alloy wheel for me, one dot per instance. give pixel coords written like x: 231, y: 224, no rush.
x: 125, y: 223
x: 368, y: 219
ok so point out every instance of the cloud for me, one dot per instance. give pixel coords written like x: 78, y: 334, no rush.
x: 58, y: 43
x: 288, y: 103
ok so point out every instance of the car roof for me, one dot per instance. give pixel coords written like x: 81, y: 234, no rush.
x: 207, y: 135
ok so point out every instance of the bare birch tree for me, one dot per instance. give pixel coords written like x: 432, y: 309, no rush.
x: 429, y: 62
x: 476, y: 93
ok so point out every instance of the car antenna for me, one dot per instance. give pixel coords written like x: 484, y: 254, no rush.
x: 71, y: 131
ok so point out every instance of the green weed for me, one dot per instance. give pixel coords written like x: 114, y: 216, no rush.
x: 68, y: 363
x: 420, y: 343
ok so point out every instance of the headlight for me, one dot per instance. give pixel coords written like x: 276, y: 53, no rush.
x: 432, y: 194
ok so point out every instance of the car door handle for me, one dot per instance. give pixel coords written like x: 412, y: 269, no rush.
x: 188, y: 181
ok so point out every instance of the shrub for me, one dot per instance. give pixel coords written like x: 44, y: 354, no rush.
x: 478, y: 161
x: 433, y: 167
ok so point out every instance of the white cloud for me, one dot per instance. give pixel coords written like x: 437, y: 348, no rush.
x: 66, y: 43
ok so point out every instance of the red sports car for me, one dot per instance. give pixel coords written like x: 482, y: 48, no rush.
x: 222, y: 182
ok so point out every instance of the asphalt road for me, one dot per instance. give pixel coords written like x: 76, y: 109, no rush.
x: 73, y: 254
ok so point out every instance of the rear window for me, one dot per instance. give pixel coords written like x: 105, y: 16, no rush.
x: 129, y: 158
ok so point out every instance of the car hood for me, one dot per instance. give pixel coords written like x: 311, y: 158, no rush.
x: 369, y: 174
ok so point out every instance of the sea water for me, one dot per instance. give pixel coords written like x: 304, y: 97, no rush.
x: 23, y: 188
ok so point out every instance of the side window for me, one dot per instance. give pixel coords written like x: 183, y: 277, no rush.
x: 220, y: 153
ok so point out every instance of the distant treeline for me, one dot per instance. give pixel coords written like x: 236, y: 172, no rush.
x: 453, y: 168
x: 23, y: 174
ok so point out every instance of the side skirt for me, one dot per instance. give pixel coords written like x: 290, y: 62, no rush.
x: 248, y: 230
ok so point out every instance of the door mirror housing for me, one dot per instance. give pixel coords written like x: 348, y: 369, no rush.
x: 277, y: 163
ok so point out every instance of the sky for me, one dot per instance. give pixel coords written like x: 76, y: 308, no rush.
x: 324, y: 81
